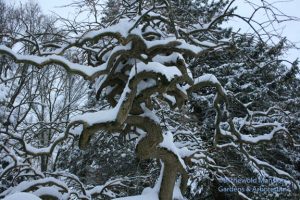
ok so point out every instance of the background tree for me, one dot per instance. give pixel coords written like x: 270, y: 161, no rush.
x: 36, y: 104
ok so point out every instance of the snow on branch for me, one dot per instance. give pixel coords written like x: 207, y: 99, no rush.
x: 279, y: 172
x: 86, y: 71
x: 22, y: 196
x: 57, y: 187
x: 250, y: 139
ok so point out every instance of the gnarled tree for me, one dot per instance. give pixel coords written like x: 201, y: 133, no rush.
x: 138, y: 60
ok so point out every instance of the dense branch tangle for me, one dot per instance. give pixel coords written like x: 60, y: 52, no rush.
x: 132, y: 62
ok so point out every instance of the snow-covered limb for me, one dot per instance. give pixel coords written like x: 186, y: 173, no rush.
x: 102, y: 188
x: 280, y: 173
x: 168, y: 143
x: 209, y: 80
x: 35, y: 151
x: 11, y: 158
x: 236, y: 135
x: 22, y: 196
x: 15, y: 161
x: 86, y: 71
x: 262, y: 138
x: 58, y: 187
x: 230, y: 144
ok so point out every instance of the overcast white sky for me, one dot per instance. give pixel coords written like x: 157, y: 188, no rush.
x: 290, y: 7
